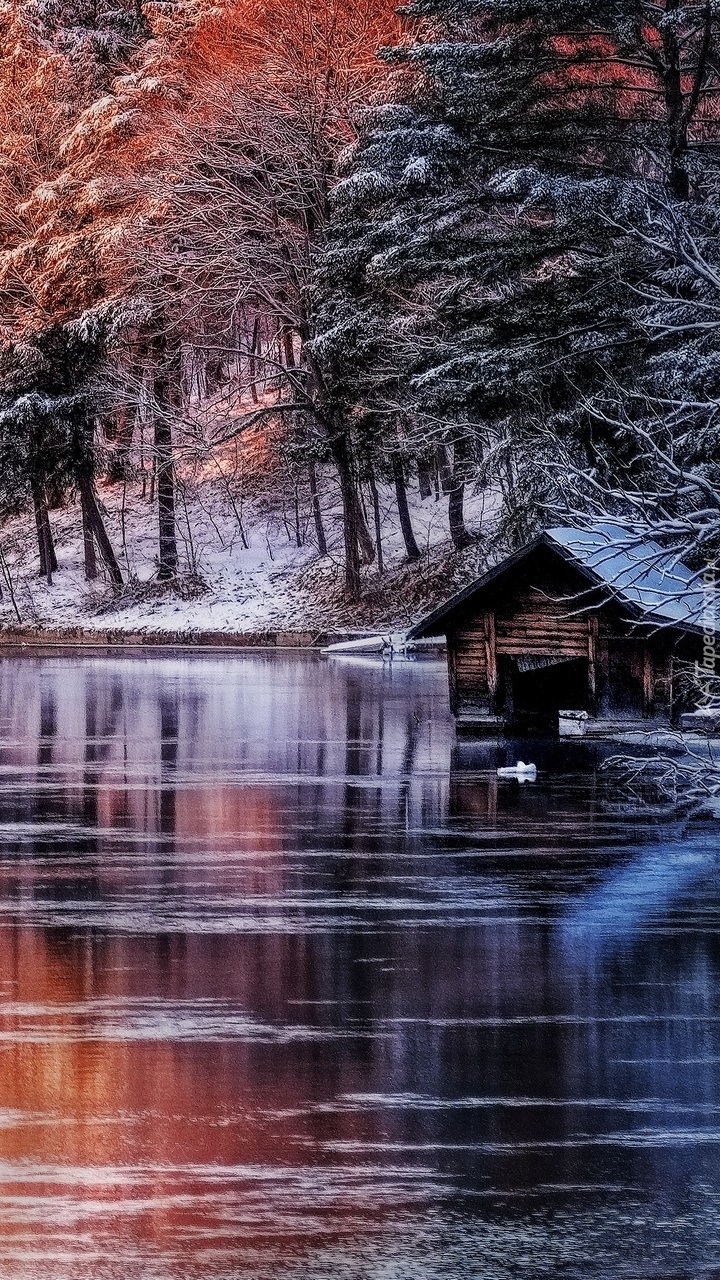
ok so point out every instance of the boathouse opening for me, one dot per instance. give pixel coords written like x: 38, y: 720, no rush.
x: 532, y: 693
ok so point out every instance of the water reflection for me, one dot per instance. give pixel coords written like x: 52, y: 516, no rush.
x: 292, y: 984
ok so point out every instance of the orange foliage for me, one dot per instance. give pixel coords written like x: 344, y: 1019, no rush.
x: 632, y: 83
x: 76, y: 202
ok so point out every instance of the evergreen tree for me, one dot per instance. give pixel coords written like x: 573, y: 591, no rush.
x: 66, y: 263
x: 666, y: 478
x: 479, y: 281
x: 49, y: 397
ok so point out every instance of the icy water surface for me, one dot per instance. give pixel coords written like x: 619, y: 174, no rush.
x: 291, y: 986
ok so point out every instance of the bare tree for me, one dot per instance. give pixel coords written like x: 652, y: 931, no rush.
x: 244, y: 219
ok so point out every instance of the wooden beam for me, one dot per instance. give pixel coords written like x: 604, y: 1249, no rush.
x: 452, y: 673
x: 648, y: 683
x: 592, y: 660
x: 491, y: 657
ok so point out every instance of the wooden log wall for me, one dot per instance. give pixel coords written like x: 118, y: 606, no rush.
x: 528, y: 624
x: 628, y: 674
x: 468, y: 667
x: 534, y: 624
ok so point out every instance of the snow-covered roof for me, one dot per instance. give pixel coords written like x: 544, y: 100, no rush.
x: 658, y: 587
x: 642, y: 573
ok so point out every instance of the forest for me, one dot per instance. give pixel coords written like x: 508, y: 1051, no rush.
x: 321, y: 267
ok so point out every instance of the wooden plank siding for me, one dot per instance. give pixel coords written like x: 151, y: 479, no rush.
x: 533, y: 624
x: 491, y: 652
x: 528, y: 624
x: 469, y: 673
x: 593, y: 628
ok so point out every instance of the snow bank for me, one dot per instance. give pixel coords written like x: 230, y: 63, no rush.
x: 226, y: 587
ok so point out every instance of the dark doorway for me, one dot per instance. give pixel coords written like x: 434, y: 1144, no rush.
x: 533, y: 698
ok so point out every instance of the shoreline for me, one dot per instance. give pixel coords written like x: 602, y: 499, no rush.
x: 22, y: 639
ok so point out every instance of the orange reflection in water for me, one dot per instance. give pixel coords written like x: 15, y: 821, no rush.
x: 141, y: 1112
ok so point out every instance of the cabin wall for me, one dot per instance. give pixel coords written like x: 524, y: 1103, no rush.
x: 532, y: 624
x: 635, y: 675
x: 470, y: 691
x: 626, y: 675
x: 527, y: 624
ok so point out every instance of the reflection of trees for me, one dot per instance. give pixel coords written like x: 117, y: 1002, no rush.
x: 169, y: 729
x: 171, y: 1116
x: 380, y: 893
x: 103, y: 712
x: 48, y: 727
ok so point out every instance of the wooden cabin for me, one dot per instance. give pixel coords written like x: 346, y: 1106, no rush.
x: 589, y: 623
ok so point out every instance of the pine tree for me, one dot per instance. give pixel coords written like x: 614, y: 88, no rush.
x: 96, y: 84
x: 479, y: 281
x: 49, y: 394
x: 663, y: 475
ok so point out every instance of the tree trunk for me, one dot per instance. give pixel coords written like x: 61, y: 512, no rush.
x: 167, y: 543
x: 96, y: 528
x: 167, y: 386
x: 426, y: 466
x: 456, y: 501
x: 118, y: 465
x: 677, y: 122
x: 411, y: 546
x: 456, y: 518
x: 341, y: 458
x: 376, y: 516
x: 513, y: 502
x: 88, y: 540
x: 366, y: 544
x: 37, y: 505
x: 317, y: 513
x: 354, y: 526
x: 288, y: 347
x: 252, y: 368
x: 298, y: 531
x: 46, y: 547
x: 444, y: 468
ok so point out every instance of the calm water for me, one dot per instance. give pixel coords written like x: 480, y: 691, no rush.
x: 291, y: 986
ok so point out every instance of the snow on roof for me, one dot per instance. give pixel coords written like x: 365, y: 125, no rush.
x: 641, y: 573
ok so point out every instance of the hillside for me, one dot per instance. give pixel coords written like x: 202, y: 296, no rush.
x: 278, y: 581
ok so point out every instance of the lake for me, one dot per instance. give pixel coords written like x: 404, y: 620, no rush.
x: 293, y: 986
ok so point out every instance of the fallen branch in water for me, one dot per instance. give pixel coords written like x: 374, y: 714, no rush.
x: 690, y: 780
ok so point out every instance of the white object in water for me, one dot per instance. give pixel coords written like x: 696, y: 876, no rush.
x: 571, y: 724
x: 394, y: 645
x: 366, y: 644
x: 519, y: 770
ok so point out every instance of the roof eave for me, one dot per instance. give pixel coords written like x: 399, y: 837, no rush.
x: 423, y: 629
x: 429, y: 626
x: 650, y: 619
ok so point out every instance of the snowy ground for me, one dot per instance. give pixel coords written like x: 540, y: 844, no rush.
x: 224, y: 586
